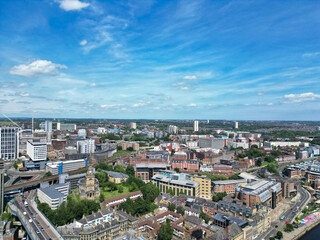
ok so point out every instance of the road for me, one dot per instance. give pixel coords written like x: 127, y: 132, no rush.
x: 289, y: 215
x: 38, y: 225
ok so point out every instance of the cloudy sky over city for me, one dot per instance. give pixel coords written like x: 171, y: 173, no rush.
x: 254, y: 60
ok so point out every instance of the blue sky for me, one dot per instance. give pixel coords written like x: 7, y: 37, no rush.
x: 250, y: 60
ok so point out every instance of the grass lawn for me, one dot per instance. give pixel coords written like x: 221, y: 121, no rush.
x: 267, y: 163
x: 121, y: 152
x: 116, y: 193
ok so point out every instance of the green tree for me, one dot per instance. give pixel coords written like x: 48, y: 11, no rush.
x: 197, y: 234
x: 119, y: 168
x: 171, y: 207
x: 102, y: 177
x: 150, y: 192
x: 204, y: 216
x: 279, y: 235
x: 180, y: 210
x: 112, y: 186
x: 259, y: 162
x: 219, y: 196
x: 120, y: 189
x: 177, y: 170
x: 170, y: 191
x: 130, y: 170
x: 101, y: 198
x: 133, y: 187
x: 119, y: 148
x: 166, y: 231
x: 234, y: 177
x: 47, y: 174
x: 130, y: 149
x: 269, y: 158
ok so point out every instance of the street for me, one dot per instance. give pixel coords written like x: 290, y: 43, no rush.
x: 289, y: 215
x: 38, y: 225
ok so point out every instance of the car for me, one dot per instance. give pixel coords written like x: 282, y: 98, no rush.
x: 24, y: 213
x: 34, y: 217
x: 276, y: 226
x: 30, y: 220
x: 42, y: 229
x: 38, y: 223
x: 37, y: 232
x: 282, y: 218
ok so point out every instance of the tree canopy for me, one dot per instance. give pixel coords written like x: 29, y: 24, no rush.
x: 166, y: 231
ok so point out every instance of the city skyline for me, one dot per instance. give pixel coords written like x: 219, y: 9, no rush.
x: 229, y: 60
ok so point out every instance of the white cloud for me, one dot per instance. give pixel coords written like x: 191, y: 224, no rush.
x: 185, y: 88
x: 73, y: 5
x: 270, y: 104
x: 93, y: 85
x: 83, y: 42
x: 142, y: 104
x: 179, y: 84
x: 297, y: 98
x: 192, y: 105
x: 22, y: 85
x: 190, y: 77
x: 36, y: 68
x: 156, y: 108
x: 23, y: 94
x: 312, y: 54
x: 111, y: 106
x: 260, y: 93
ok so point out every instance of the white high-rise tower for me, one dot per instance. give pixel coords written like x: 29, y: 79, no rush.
x: 196, y: 126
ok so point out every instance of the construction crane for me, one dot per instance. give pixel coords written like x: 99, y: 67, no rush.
x: 20, y: 128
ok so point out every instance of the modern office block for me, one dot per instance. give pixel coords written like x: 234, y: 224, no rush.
x: 37, y: 149
x: 9, y: 143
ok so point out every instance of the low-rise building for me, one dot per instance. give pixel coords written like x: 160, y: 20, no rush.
x: 146, y: 171
x: 116, y: 201
x: 66, y: 166
x: 224, y: 220
x: 101, y: 225
x: 116, y: 177
x: 260, y: 192
x: 54, y: 195
x: 228, y: 186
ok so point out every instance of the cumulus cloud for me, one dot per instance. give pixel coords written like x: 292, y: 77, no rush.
x: 83, y: 42
x: 36, y: 68
x: 260, y: 93
x: 190, y: 77
x: 93, y: 85
x: 303, y: 97
x: 72, y: 5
